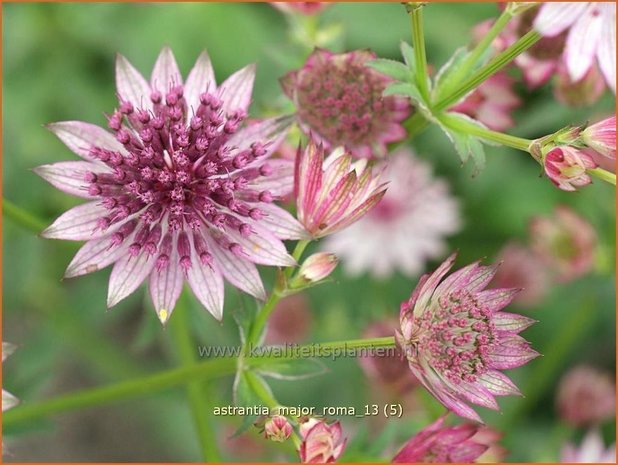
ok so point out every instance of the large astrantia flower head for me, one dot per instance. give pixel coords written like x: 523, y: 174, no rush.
x: 179, y: 189
x: 439, y: 443
x: 332, y: 194
x: 8, y: 399
x: 457, y: 339
x: 339, y: 100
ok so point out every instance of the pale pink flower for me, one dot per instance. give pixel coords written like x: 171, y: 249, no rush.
x: 566, y: 167
x: 492, y: 103
x: 457, y: 339
x: 321, y: 442
x: 408, y: 226
x: 591, y: 450
x: 601, y: 137
x: 332, y: 194
x: 179, y: 190
x: 438, y: 443
x: 304, y: 8
x: 277, y: 428
x: 521, y: 268
x: 495, y: 452
x: 586, y: 396
x: 8, y: 400
x: 566, y: 242
x: 339, y: 101
x: 290, y: 321
x: 584, y: 92
x: 591, y: 35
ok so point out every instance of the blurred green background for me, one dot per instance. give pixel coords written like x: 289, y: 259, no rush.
x: 58, y: 62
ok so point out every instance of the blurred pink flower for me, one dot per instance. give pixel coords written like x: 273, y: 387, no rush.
x: 8, y: 400
x: 305, y: 8
x: 520, y: 268
x: 339, y: 101
x: 586, y: 396
x: 321, y: 442
x: 492, y: 103
x: 584, y: 92
x: 566, y: 167
x: 290, y: 321
x: 457, y: 339
x: 179, y: 190
x: 277, y: 428
x: 601, y: 137
x: 566, y: 242
x: 332, y: 194
x: 406, y: 228
x: 438, y: 443
x: 591, y: 35
x: 495, y: 453
x: 591, y: 450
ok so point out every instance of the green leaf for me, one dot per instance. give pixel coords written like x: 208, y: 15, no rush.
x: 392, y: 68
x: 444, y: 79
x: 292, y: 370
x: 466, y: 145
x: 408, y: 56
x: 244, y: 395
x: 244, y: 316
x: 411, y: 91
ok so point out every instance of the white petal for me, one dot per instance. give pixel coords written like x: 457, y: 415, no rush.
x: 94, y: 256
x: 263, y: 247
x: 128, y: 273
x: 606, y: 52
x: 240, y: 273
x: 271, y: 131
x: 281, y: 223
x: 165, y: 73
x: 8, y: 400
x: 165, y: 288
x: 207, y: 285
x: 280, y: 182
x: 553, y: 18
x: 81, y: 137
x: 581, y: 45
x: 201, y: 79
x: 131, y: 85
x: 69, y: 176
x: 235, y: 92
x: 7, y: 350
x: 79, y: 224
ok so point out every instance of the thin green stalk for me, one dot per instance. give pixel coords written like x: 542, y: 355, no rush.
x: 22, y: 217
x: 198, y: 392
x: 493, y: 66
x: 418, y: 42
x: 604, y: 175
x: 120, y: 391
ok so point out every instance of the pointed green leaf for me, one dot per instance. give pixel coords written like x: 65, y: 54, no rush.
x: 408, y: 55
x: 392, y: 68
x: 292, y: 370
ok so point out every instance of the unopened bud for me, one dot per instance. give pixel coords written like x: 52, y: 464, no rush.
x: 277, y: 428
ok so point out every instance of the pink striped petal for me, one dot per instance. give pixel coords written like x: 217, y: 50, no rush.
x: 511, y: 322
x: 427, y: 288
x: 262, y: 247
x: 281, y: 223
x: 308, y: 172
x: 606, y: 52
x: 69, y: 176
x: 79, y: 224
x: 165, y: 73
x: 478, y: 395
x: 128, y: 273
x: 581, y: 45
x: 271, y: 130
x: 512, y: 352
x: 94, y: 256
x: 131, y: 85
x: 553, y: 18
x: 334, y: 204
x: 496, y: 299
x: 358, y: 212
x: 236, y: 91
x: 481, y: 278
x: 201, y: 79
x: 207, y: 285
x: 81, y: 137
x: 499, y: 384
x: 165, y: 288
x: 241, y: 273
x: 457, y: 279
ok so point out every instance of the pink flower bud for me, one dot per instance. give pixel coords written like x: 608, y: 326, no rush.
x: 322, y: 443
x: 602, y: 137
x: 566, y: 167
x: 318, y: 266
x: 586, y: 396
x: 277, y: 428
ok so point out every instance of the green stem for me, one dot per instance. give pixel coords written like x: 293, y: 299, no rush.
x: 496, y: 64
x: 264, y: 313
x: 22, y: 217
x: 124, y: 390
x: 418, y: 42
x: 198, y: 393
x: 604, y: 175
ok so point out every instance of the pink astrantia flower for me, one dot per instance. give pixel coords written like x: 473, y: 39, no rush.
x: 305, y: 8
x: 492, y: 103
x: 566, y: 242
x: 332, y: 194
x: 523, y: 269
x: 8, y: 400
x: 179, y: 190
x: 321, y: 442
x: 442, y: 444
x: 406, y: 228
x: 591, y: 450
x: 586, y: 396
x: 591, y: 35
x: 601, y: 137
x: 566, y: 167
x: 339, y: 100
x: 277, y: 428
x: 457, y: 339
